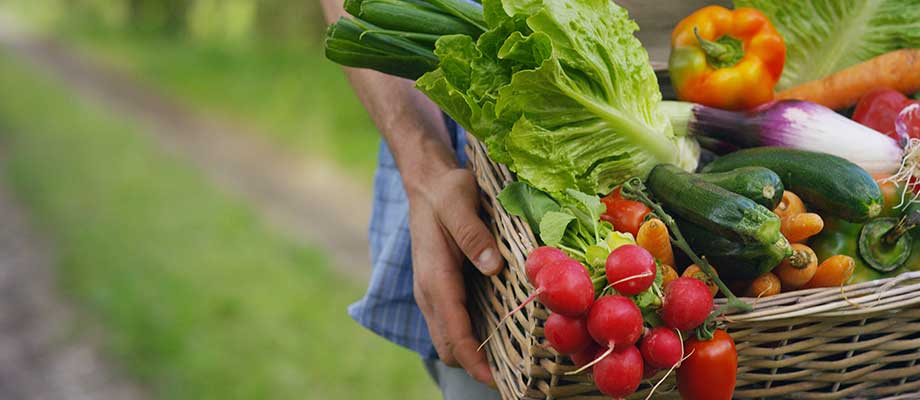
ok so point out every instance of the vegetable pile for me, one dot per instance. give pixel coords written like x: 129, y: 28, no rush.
x: 642, y: 207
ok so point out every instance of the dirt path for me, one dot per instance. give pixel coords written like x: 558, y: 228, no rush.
x: 44, y: 354
x: 307, y: 199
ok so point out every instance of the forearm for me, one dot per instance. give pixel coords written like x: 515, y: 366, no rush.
x: 409, y: 122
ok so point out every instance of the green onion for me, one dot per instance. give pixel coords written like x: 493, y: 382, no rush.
x: 404, y: 16
x: 347, y: 44
x: 465, y: 10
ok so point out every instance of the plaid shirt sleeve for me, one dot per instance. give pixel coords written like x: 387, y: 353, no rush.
x: 388, y: 308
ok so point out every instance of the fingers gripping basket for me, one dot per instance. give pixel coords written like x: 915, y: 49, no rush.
x: 859, y: 341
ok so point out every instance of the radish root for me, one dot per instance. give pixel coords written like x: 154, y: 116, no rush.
x: 591, y: 364
x: 509, y: 314
x: 910, y: 169
x: 673, y: 367
x: 627, y: 279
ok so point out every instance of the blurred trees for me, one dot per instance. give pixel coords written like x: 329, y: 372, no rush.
x: 217, y: 19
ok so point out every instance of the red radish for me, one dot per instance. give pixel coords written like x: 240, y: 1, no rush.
x: 587, y: 355
x: 564, y: 287
x: 661, y: 348
x: 614, y: 322
x: 907, y: 123
x: 630, y: 269
x: 566, y: 334
x: 686, y: 304
x: 648, y: 371
x: 540, y: 257
x: 619, y: 374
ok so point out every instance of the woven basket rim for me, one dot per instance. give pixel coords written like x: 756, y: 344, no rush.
x: 793, y: 330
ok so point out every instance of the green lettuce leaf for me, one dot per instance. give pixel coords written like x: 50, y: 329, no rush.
x: 553, y: 227
x: 522, y: 200
x: 560, y: 91
x: 825, y: 36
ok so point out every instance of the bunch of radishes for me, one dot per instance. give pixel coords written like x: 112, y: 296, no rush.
x: 609, y: 333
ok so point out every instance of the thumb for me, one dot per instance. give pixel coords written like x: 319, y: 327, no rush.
x: 472, y: 236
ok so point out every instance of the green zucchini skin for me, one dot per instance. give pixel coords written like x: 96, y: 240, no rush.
x: 735, y: 217
x: 732, y: 259
x: 756, y: 183
x: 829, y: 183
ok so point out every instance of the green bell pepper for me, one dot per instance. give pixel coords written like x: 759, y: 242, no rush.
x: 842, y: 237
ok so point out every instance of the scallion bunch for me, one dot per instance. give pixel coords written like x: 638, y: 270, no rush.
x: 397, y: 37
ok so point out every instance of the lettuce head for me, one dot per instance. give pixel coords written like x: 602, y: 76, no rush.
x: 562, y: 92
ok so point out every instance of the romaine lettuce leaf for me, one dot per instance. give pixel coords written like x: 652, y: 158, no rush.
x: 825, y: 36
x: 560, y: 91
x: 522, y: 200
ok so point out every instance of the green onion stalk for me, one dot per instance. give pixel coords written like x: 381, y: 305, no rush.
x: 397, y: 37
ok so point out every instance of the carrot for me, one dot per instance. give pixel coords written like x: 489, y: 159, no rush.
x: 835, y: 271
x: 668, y: 274
x: 765, y: 285
x: 693, y: 271
x: 899, y: 70
x: 890, y: 192
x: 791, y: 204
x: 653, y: 236
x: 797, y: 269
x: 797, y: 228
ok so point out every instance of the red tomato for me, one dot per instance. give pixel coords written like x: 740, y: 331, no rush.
x: 878, y: 109
x: 709, y: 372
x: 625, y: 215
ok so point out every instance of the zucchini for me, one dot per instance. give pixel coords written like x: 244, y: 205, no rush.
x: 735, y: 217
x: 829, y: 183
x: 732, y: 259
x: 756, y: 183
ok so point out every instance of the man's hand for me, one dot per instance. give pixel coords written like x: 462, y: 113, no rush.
x: 445, y: 229
x: 443, y: 209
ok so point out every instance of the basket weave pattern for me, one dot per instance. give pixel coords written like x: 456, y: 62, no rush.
x: 858, y: 341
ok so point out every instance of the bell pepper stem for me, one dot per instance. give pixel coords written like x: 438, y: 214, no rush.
x: 724, y: 52
x: 905, y: 224
x: 634, y: 189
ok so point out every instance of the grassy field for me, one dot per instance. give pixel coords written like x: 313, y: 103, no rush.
x: 199, y: 299
x: 285, y: 89
x: 289, y: 92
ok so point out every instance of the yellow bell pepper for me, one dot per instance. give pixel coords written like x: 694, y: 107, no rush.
x: 728, y: 59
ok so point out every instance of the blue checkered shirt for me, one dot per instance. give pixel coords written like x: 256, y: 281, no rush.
x: 388, y: 308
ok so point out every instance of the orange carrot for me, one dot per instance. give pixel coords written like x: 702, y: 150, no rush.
x: 791, y: 204
x: 835, y: 271
x: 797, y: 228
x: 899, y: 70
x: 765, y: 285
x: 890, y: 191
x: 798, y: 269
x: 668, y: 274
x: 693, y: 271
x: 653, y: 236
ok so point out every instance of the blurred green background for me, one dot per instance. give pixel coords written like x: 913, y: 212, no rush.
x: 198, y: 297
x: 256, y: 60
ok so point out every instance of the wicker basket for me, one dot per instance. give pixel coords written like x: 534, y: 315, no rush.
x: 859, y: 341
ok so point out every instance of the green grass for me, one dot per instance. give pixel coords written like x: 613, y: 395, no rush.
x: 197, y: 297
x: 290, y: 93
x: 285, y: 90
